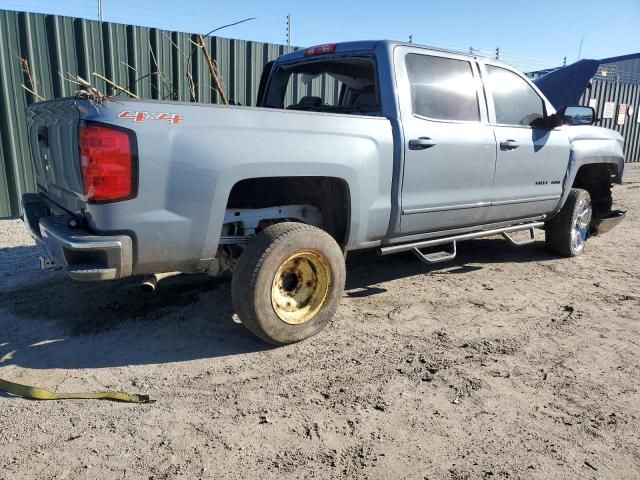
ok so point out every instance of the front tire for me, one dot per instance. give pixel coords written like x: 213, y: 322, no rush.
x: 566, y: 234
x: 288, y: 282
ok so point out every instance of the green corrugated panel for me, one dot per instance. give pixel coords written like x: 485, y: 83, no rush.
x: 64, y: 60
x: 35, y: 48
x: 139, y: 59
x: 252, y: 73
x: 5, y: 201
x: 116, y: 57
x: 162, y: 48
x: 222, y: 51
x: 634, y: 137
x: 90, y: 52
x: 18, y: 168
x: 259, y: 55
x: 609, y: 91
x: 200, y: 73
x: 245, y: 71
x: 181, y: 49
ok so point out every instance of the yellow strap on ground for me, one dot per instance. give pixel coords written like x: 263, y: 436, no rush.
x: 42, y: 394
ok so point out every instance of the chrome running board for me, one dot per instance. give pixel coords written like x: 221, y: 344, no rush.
x: 457, y: 238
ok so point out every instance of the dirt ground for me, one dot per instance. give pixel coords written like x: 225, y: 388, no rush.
x: 505, y: 363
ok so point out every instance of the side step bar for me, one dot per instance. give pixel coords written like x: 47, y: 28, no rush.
x: 437, y: 257
x: 519, y: 243
x: 445, y: 256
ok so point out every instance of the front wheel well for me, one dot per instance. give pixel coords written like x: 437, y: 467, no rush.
x: 596, y: 179
x: 329, y: 194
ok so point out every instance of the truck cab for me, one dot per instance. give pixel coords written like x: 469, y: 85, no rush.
x: 450, y: 112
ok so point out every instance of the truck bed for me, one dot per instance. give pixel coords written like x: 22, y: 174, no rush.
x: 191, y: 155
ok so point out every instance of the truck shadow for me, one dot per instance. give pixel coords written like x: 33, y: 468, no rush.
x: 365, y: 269
x: 65, y: 324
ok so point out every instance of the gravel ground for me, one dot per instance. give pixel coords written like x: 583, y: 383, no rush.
x: 505, y: 363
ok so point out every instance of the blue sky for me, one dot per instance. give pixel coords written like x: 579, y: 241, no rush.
x: 530, y: 34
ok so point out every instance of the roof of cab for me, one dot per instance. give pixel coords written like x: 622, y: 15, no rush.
x: 364, y: 45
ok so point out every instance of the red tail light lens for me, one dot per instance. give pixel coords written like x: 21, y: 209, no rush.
x: 320, y: 50
x: 108, y: 163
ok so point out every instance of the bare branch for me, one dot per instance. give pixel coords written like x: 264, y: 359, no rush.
x: 129, y: 66
x: 158, y: 71
x: 31, y: 91
x: 82, y: 81
x: 175, y: 45
x: 122, y: 89
x: 213, y: 71
x: 31, y: 85
x: 70, y: 80
x: 145, y: 76
x: 229, y: 25
x: 191, y: 86
x: 87, y: 90
x: 196, y: 45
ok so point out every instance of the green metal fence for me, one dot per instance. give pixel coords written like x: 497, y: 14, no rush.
x: 55, y: 46
x: 622, y: 114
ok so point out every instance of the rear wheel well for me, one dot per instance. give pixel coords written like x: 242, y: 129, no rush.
x: 596, y: 179
x: 329, y: 194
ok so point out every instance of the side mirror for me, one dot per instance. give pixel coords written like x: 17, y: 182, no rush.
x: 577, y: 115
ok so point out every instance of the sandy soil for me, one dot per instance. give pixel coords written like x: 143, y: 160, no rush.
x: 506, y: 363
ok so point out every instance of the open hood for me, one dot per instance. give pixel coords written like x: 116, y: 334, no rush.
x: 566, y: 85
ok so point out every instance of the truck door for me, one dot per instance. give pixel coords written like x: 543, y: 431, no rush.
x: 449, y: 147
x: 531, y: 160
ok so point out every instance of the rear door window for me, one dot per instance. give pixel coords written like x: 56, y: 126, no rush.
x: 515, y: 102
x: 442, y: 88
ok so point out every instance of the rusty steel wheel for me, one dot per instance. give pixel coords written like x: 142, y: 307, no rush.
x: 288, y: 282
x: 300, y: 287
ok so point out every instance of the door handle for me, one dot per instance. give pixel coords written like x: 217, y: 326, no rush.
x: 421, y: 143
x: 509, y: 145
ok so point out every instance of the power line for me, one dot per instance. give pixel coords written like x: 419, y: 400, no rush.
x: 289, y: 30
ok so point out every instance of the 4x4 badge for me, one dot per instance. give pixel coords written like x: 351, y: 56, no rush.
x: 140, y: 117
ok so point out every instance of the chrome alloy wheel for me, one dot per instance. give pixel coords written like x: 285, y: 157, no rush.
x: 580, y: 230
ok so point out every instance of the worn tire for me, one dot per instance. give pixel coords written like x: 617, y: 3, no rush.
x: 559, y: 231
x: 255, y: 290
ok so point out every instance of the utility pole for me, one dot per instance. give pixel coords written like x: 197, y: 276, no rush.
x: 580, y: 49
x: 497, y: 53
x: 411, y: 38
x: 100, y: 11
x: 289, y: 30
x: 564, y: 61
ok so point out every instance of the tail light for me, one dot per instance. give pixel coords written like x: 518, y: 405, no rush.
x: 108, y: 162
x: 320, y: 50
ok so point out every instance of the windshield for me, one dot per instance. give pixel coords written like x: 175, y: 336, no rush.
x: 341, y: 85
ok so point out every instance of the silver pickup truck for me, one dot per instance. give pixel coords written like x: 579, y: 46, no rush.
x: 416, y: 149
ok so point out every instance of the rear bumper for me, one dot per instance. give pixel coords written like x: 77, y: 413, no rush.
x: 84, y: 255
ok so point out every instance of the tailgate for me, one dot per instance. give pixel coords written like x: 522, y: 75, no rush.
x: 53, y: 138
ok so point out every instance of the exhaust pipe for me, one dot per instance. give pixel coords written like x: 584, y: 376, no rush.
x: 150, y: 282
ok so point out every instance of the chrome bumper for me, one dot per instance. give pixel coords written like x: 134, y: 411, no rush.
x: 85, y: 256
